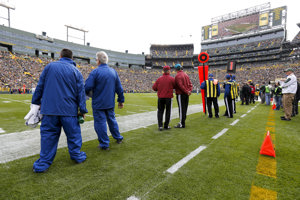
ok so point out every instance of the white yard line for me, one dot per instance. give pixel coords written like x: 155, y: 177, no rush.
x: 133, y: 198
x: 244, y: 115
x: 2, y: 131
x: 183, y: 161
x: 6, y: 101
x: 16, y: 100
x: 220, y: 133
x: 235, y: 122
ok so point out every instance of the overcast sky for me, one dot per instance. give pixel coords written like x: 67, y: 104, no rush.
x: 132, y: 25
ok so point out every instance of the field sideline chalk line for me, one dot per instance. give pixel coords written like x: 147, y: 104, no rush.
x: 27, y: 143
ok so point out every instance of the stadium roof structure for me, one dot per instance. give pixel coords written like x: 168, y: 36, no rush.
x: 240, y: 13
x: 298, y: 25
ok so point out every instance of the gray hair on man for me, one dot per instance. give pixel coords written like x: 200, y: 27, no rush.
x: 102, y: 57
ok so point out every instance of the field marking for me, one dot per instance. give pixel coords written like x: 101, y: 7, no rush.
x: 235, y: 122
x: 220, y: 133
x: 6, y: 101
x: 258, y: 193
x: 2, y: 131
x: 266, y: 166
x: 244, y: 115
x: 15, y: 100
x: 139, y: 105
x: 13, y: 146
x: 133, y: 198
x: 130, y: 112
x: 183, y: 161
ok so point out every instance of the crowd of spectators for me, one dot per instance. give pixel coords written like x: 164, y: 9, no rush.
x: 19, y: 70
x: 172, y: 51
x: 249, y: 47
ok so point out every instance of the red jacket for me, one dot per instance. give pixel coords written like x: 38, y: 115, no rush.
x: 252, y: 89
x: 164, y: 86
x: 183, y: 84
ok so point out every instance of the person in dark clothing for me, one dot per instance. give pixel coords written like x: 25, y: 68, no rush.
x: 212, y: 88
x: 262, y: 90
x: 245, y: 92
x: 252, y: 93
x: 295, y: 102
x: 278, y: 95
x: 183, y: 89
x: 164, y: 86
x: 228, y: 96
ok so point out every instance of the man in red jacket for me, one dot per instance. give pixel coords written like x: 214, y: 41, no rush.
x: 164, y: 86
x: 183, y: 88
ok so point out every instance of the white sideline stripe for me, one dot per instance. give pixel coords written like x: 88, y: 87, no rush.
x: 2, y: 131
x: 15, y: 100
x: 27, y: 143
x: 220, y: 133
x: 6, y: 101
x: 234, y: 123
x: 89, y: 115
x: 133, y: 198
x: 183, y: 161
x: 244, y: 115
x: 130, y: 112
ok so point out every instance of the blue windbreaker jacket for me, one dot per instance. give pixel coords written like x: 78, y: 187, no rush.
x: 105, y: 83
x: 60, y: 90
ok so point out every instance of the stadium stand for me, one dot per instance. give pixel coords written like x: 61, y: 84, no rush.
x: 161, y: 55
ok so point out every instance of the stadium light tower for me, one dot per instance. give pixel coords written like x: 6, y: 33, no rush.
x: 5, y: 5
x: 77, y: 29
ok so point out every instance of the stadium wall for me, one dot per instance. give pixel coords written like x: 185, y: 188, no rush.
x: 28, y: 43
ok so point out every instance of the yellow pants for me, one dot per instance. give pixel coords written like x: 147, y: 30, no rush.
x: 287, y: 101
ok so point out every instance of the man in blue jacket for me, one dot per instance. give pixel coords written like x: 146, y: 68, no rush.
x: 212, y: 88
x: 103, y: 83
x: 60, y: 93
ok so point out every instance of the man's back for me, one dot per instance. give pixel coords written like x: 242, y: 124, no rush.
x: 164, y: 86
x: 58, y: 89
x: 105, y: 82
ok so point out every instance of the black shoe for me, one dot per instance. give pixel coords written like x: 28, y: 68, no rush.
x: 119, y: 141
x: 285, y: 119
x: 167, y: 128
x: 160, y: 128
x: 217, y: 116
x: 282, y: 117
x: 209, y: 116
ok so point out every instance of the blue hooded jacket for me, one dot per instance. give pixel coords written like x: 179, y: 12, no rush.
x: 105, y: 83
x: 60, y: 90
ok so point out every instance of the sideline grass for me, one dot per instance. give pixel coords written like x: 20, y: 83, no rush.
x: 13, y: 108
x: 225, y: 170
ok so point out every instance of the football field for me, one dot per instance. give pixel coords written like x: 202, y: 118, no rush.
x: 209, y: 159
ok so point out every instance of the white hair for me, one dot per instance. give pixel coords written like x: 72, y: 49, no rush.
x: 102, y: 57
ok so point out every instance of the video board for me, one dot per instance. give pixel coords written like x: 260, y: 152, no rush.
x: 245, y: 24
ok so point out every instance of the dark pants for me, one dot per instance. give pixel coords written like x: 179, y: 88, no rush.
x: 162, y: 104
x: 252, y: 98
x: 50, y: 133
x: 211, y: 101
x: 183, y: 102
x: 295, y: 106
x: 245, y: 99
x: 228, y: 104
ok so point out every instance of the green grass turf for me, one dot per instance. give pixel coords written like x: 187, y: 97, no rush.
x: 225, y: 170
x: 13, y: 108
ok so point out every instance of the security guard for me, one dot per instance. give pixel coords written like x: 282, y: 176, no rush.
x: 228, y: 96
x: 212, y: 88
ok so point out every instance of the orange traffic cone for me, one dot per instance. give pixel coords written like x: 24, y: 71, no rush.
x: 267, y: 146
x: 274, y: 106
